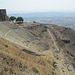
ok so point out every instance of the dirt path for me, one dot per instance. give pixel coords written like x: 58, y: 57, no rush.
x: 53, y: 39
x: 62, y: 69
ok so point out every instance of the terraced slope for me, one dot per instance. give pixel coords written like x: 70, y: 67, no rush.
x: 13, y: 61
x: 20, y: 36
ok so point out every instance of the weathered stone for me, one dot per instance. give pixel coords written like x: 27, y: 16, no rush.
x: 3, y: 16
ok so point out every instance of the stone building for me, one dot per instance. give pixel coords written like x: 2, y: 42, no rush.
x: 3, y: 16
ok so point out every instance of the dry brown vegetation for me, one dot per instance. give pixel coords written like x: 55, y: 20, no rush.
x: 40, y: 44
x: 13, y: 61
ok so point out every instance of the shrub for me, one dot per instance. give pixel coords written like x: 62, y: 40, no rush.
x: 12, y: 18
x: 34, y: 21
x: 35, y: 70
x: 19, y: 19
x: 44, y: 29
x: 5, y: 45
x: 53, y: 73
x: 54, y: 63
x: 71, y: 54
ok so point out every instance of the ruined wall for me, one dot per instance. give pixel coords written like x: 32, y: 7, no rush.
x: 3, y: 16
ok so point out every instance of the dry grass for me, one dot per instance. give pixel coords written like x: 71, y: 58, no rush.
x: 13, y: 61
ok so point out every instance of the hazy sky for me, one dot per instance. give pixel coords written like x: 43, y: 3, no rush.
x: 38, y: 5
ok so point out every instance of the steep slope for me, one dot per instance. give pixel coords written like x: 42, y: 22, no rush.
x: 60, y: 41
x: 13, y: 61
x: 20, y: 36
x: 63, y: 37
x: 38, y: 40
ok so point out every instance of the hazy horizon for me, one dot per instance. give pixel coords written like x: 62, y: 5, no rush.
x: 42, y: 14
x: 38, y: 6
x: 14, y: 12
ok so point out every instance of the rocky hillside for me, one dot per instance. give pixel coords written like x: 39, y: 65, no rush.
x: 14, y: 61
x: 64, y: 37
x: 43, y: 49
x: 60, y: 40
x: 35, y: 36
x: 20, y: 36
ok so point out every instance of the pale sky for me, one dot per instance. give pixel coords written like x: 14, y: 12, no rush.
x: 38, y: 5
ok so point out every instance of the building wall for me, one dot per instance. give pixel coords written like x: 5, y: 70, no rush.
x: 3, y: 16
